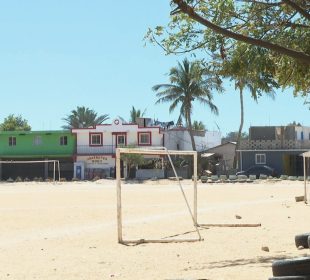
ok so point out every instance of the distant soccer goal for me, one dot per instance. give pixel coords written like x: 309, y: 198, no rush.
x: 160, y: 151
x: 55, y: 164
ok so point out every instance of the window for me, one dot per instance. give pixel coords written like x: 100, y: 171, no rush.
x: 37, y: 140
x: 63, y: 140
x: 95, y: 139
x: 260, y: 158
x: 121, y: 140
x: 302, y: 135
x: 12, y: 141
x: 144, y: 138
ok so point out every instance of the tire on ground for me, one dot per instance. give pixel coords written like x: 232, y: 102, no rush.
x: 291, y: 267
x: 300, y: 277
x: 302, y: 240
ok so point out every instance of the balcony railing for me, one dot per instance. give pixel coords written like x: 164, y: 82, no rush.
x: 274, y: 144
x: 95, y: 150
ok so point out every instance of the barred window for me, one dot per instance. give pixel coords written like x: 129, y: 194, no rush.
x: 12, y: 141
x: 260, y: 158
x: 63, y: 140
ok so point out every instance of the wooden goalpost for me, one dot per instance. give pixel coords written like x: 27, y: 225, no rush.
x: 156, y: 151
x: 55, y: 162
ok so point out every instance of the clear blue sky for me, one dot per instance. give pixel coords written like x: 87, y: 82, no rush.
x: 56, y: 55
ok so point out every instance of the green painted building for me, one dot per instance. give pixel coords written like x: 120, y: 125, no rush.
x: 33, y: 146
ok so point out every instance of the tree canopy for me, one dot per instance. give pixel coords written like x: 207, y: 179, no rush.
x: 13, y: 123
x: 136, y: 113
x: 83, y: 117
x: 199, y: 125
x: 189, y: 82
x: 275, y: 33
x: 233, y: 136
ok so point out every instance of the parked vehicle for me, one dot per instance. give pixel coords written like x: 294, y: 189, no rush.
x: 258, y: 170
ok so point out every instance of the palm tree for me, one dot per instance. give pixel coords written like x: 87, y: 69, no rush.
x: 256, y: 78
x: 256, y: 87
x: 188, y: 82
x: 134, y: 114
x: 83, y: 117
x: 199, y: 125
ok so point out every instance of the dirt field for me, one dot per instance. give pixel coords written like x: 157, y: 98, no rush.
x: 68, y: 230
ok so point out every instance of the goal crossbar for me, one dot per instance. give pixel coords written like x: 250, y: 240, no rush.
x: 156, y: 151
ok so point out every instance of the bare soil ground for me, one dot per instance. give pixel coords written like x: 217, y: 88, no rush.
x: 68, y: 230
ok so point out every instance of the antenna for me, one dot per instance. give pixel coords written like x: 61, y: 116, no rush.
x: 217, y: 127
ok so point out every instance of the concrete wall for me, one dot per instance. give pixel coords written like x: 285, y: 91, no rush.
x: 150, y: 173
x: 227, y: 151
x: 303, y: 133
x: 262, y: 133
x: 179, y: 139
x: 284, y: 162
x: 279, y: 133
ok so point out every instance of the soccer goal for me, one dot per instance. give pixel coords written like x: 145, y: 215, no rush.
x: 56, y: 165
x: 161, y: 151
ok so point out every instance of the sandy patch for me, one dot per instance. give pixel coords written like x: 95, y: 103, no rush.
x: 68, y: 230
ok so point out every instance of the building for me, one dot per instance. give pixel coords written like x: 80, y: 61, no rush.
x: 35, y: 146
x: 96, y: 146
x: 222, y: 157
x: 279, y: 147
x: 178, y: 138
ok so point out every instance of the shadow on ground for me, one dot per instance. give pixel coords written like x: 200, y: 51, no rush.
x: 261, y: 261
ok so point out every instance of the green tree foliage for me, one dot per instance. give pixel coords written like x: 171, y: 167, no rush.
x: 13, y: 123
x: 134, y: 114
x: 132, y: 160
x: 276, y: 33
x: 83, y: 117
x: 188, y: 82
x: 233, y: 136
x: 199, y: 125
x: 243, y: 70
x: 294, y: 123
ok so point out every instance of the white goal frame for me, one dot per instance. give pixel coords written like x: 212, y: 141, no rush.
x: 155, y: 151
x: 56, y: 162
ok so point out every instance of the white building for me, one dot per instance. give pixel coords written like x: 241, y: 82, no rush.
x: 178, y: 138
x: 95, y: 147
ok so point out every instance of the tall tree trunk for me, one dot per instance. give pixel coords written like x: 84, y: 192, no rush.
x: 189, y: 124
x: 241, y: 125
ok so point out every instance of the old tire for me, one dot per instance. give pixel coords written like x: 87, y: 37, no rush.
x: 300, y: 277
x: 291, y: 267
x: 302, y: 240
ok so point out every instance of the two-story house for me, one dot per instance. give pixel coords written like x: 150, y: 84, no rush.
x: 36, y: 146
x: 279, y: 147
x: 96, y: 146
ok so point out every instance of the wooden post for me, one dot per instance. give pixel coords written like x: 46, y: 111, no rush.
x: 118, y: 194
x: 46, y: 168
x: 58, y: 170
x: 305, y: 179
x: 54, y: 171
x: 195, y: 188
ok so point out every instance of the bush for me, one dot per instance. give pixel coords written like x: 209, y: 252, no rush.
x: 18, y: 179
x: 96, y: 178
